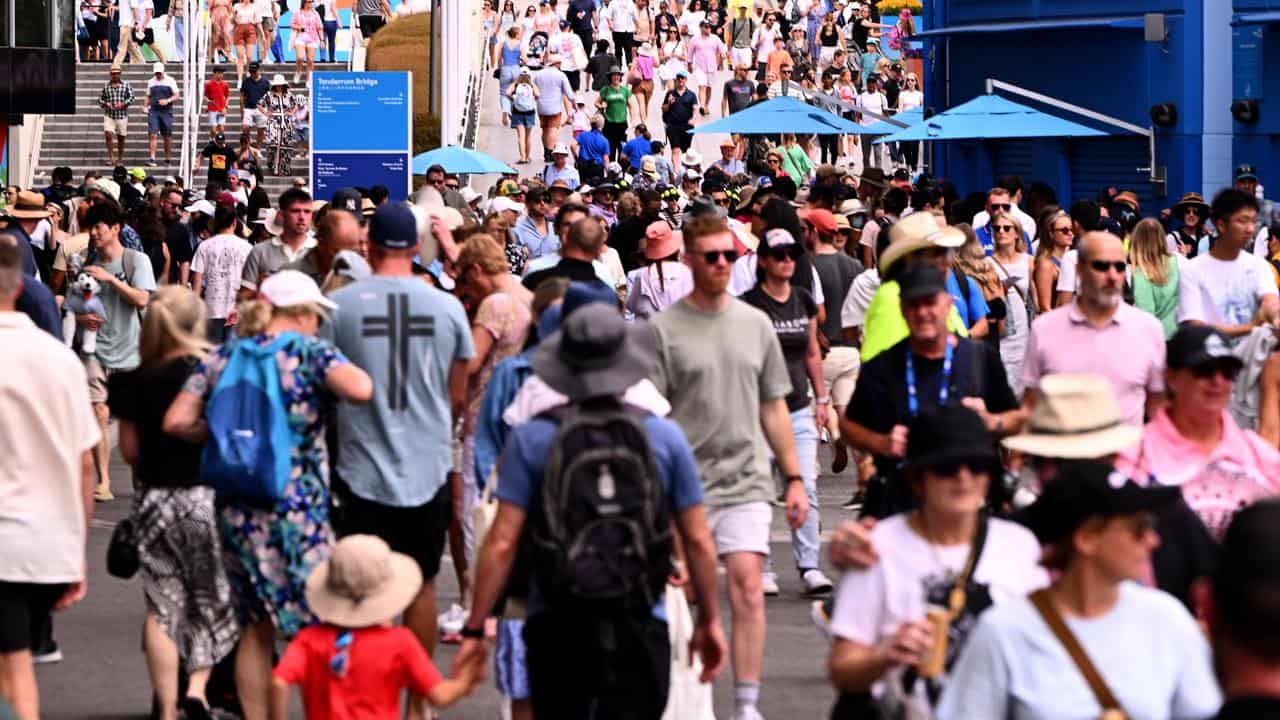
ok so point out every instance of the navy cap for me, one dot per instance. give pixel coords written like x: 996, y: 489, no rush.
x: 346, y: 199
x: 394, y: 227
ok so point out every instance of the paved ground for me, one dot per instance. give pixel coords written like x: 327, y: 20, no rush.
x: 103, y: 675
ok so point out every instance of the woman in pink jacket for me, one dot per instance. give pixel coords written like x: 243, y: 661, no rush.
x: 307, y: 30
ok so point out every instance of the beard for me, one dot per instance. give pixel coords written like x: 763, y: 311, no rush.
x: 1105, y: 298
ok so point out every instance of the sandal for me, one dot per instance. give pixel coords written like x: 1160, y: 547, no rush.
x: 193, y: 708
x: 102, y: 494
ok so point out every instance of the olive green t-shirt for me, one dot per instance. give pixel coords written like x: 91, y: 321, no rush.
x: 716, y: 369
x: 615, y: 102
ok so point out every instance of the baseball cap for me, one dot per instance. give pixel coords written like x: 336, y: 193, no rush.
x: 393, y: 227
x: 1090, y: 488
x: 346, y: 199
x: 255, y: 65
x: 560, y: 149
x: 682, y: 73
x: 507, y: 188
x: 1246, y: 172
x: 503, y: 202
x: 289, y: 288
x: 1193, y: 346
x: 902, y: 175
x: 137, y: 173
x: 225, y: 198
x: 820, y: 218
x: 778, y: 237
x: 921, y: 280
x: 200, y: 206
x: 157, y: 67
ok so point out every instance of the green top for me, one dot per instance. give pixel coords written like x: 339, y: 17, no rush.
x: 1159, y: 300
x: 615, y: 101
x: 796, y: 162
x: 884, y: 325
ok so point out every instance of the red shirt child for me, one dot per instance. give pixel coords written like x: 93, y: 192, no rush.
x: 216, y: 92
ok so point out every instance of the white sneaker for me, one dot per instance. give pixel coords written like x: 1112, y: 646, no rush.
x: 748, y: 712
x: 770, y: 584
x: 815, y: 583
x: 452, y: 620
x: 818, y: 614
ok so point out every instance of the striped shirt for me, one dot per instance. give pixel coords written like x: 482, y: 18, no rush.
x: 113, y: 94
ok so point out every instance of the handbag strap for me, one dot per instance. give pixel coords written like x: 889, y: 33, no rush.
x: 1040, y: 599
x: 955, y: 603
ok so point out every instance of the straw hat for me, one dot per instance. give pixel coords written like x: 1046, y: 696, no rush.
x: 362, y: 583
x: 917, y: 231
x: 1191, y: 199
x: 1075, y: 417
x: 30, y: 206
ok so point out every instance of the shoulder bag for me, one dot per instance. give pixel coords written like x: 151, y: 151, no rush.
x: 123, y: 557
x: 1111, y: 709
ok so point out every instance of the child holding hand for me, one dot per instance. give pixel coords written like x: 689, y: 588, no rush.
x: 355, y: 664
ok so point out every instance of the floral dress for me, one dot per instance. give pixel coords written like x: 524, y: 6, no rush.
x: 269, y: 553
x: 282, y: 138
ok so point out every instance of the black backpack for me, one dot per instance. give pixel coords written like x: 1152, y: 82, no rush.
x: 603, y: 536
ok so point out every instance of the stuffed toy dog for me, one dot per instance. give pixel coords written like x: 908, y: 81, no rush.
x: 82, y: 299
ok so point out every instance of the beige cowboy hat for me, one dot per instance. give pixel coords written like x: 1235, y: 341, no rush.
x: 278, y: 80
x: 269, y: 219
x: 917, y: 232
x: 1076, y: 417
x: 362, y: 583
x: 30, y: 206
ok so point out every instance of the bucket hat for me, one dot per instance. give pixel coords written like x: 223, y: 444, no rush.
x: 660, y: 240
x: 363, y: 583
x: 1191, y: 199
x: 1076, y: 417
x: 30, y: 206
x: 595, y: 354
x: 917, y: 232
x: 948, y: 434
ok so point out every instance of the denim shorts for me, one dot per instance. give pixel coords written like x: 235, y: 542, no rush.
x: 521, y: 119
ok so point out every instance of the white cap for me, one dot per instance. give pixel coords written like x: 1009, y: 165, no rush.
x: 469, y: 195
x: 502, y: 202
x: 560, y: 149
x: 288, y: 288
x: 157, y: 67
x: 200, y: 206
x: 778, y: 237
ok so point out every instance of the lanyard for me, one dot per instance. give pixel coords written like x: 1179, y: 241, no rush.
x: 913, y: 403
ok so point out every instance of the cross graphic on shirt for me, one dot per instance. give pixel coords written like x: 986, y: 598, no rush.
x: 399, y: 327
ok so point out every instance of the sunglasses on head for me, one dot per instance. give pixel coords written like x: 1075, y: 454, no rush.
x: 784, y: 252
x: 1105, y: 265
x: 999, y: 206
x: 1003, y: 228
x: 713, y: 256
x: 1225, y: 368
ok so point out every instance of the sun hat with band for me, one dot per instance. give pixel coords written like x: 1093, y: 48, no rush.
x: 30, y: 206
x: 595, y: 354
x: 289, y: 288
x: 1191, y: 200
x: 1075, y: 417
x: 363, y: 583
x: 917, y: 231
x: 1086, y: 489
x: 660, y: 241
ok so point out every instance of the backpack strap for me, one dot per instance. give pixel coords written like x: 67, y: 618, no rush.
x: 956, y: 601
x: 1052, y: 618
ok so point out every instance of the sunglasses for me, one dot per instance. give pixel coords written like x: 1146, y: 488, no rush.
x: 774, y: 161
x: 1228, y: 370
x: 1191, y: 211
x: 1064, y: 231
x: 1105, y: 265
x: 953, y: 467
x: 1002, y: 228
x: 785, y: 252
x: 438, y: 183
x: 723, y: 202
x: 713, y: 256
x: 999, y: 206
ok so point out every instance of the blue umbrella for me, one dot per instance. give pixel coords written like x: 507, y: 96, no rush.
x: 910, y: 117
x: 460, y: 160
x: 781, y: 115
x: 991, y: 117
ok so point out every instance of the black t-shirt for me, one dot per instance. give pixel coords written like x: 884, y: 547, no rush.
x: 836, y: 272
x: 161, y: 7
x: 1250, y: 708
x: 738, y: 93
x: 625, y: 238
x: 220, y: 159
x: 681, y: 111
x: 142, y: 397
x: 177, y: 236
x: 829, y: 36
x: 572, y: 268
x: 791, y: 323
x: 598, y: 68
x: 880, y: 398
x: 891, y: 89
x: 858, y: 34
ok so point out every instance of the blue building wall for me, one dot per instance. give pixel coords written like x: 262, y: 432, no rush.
x: 1259, y: 144
x: 1111, y: 70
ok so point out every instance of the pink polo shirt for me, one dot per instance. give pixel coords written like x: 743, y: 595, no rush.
x: 1240, y: 470
x: 1128, y: 351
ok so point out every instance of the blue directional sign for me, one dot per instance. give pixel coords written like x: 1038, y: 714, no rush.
x: 362, y: 131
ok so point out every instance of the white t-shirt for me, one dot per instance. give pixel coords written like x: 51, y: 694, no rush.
x: 1223, y: 292
x: 143, y: 9
x: 124, y: 15
x: 220, y: 262
x: 908, y: 99
x: 762, y: 41
x: 1067, y: 273
x: 622, y: 13
x: 874, y: 102
x: 853, y: 312
x: 569, y: 46
x: 266, y: 9
x: 46, y: 424
x: 1147, y: 648
x: 872, y: 604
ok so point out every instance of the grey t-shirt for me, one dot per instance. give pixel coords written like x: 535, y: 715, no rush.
x: 266, y: 258
x: 369, y: 7
x: 117, y: 342
x: 553, y: 86
x: 716, y: 369
x: 397, y: 448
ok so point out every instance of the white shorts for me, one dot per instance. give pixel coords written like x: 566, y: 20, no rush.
x: 217, y: 118
x: 840, y: 373
x: 741, y: 528
x: 741, y: 56
x: 116, y: 127
x: 700, y: 78
x: 255, y: 118
x: 302, y: 45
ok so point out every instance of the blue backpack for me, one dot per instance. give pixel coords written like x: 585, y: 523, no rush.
x: 247, y: 456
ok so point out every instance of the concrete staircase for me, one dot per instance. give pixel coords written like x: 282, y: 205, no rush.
x: 77, y: 142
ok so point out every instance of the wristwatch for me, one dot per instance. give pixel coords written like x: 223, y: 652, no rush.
x: 823, y: 401
x: 472, y: 633
x: 794, y: 478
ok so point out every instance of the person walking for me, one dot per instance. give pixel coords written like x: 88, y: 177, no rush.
x: 162, y: 93
x: 662, y: 280
x: 1012, y: 266
x: 1155, y: 274
x: 1103, y: 643
x: 190, y: 624
x: 793, y: 314
x: 555, y: 99
x: 522, y: 96
x: 216, y: 267
x: 720, y: 365
x: 270, y: 550
x: 602, y: 658
x: 308, y: 28
x: 1056, y: 236
x: 677, y: 116
x: 48, y: 481
x: 115, y: 99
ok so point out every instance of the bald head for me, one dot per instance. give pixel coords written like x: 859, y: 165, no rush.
x: 586, y: 237
x: 1098, y: 244
x: 1101, y: 270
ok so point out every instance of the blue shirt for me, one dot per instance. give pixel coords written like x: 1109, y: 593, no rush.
x: 538, y: 242
x: 975, y: 307
x: 569, y: 174
x: 397, y: 448
x: 37, y: 302
x: 491, y: 429
x: 524, y: 462
x: 636, y: 148
x: 592, y: 147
